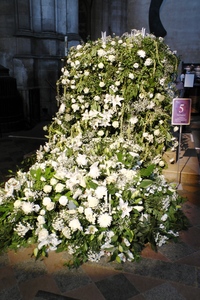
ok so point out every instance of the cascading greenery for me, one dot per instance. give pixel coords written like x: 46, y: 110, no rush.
x: 96, y: 188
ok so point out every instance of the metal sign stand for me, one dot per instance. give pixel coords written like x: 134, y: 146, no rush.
x: 178, y: 157
x: 181, y: 113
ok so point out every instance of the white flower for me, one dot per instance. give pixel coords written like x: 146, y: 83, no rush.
x: 100, y: 192
x: 141, y: 53
x: 111, y: 58
x: 164, y: 217
x: 92, y: 201
x: 50, y: 206
x: 101, y: 84
x: 136, y: 65
x: 94, y: 170
x: 161, y: 163
x: 176, y: 128
x: 115, y: 124
x: 148, y: 62
x: 47, y: 188
x: 17, y: 204
x: 75, y: 107
x: 104, y: 220
x: 86, y: 90
x: 131, y: 75
x: 81, y: 159
x: 63, y: 200
x: 59, y: 187
x: 157, y: 132
x: 101, y: 52
x: 66, y: 232
x: 46, y: 201
x: 43, y: 234
x: 41, y: 220
x: 100, y: 133
x: 62, y: 108
x: 133, y: 120
x: 100, y: 65
x: 53, y: 181
x: 89, y: 215
x: 75, y: 225
x: 86, y: 73
x: 91, y: 230
x: 138, y: 208
x: 27, y: 207
x: 123, y: 206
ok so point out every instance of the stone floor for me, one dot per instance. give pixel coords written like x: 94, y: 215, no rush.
x: 172, y: 273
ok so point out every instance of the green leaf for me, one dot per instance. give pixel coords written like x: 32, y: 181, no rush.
x: 145, y: 183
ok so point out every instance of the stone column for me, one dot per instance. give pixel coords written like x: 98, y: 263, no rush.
x: 72, y: 23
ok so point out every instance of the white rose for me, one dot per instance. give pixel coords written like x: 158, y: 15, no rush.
x: 63, y: 200
x: 17, y: 204
x: 53, y: 181
x: 50, y: 206
x: 47, y: 188
x: 59, y: 187
x: 27, y: 207
x: 46, y: 201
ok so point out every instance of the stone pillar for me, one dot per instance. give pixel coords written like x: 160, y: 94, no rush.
x: 72, y: 16
x: 73, y: 38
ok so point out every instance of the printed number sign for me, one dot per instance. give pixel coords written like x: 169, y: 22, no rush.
x: 181, y: 111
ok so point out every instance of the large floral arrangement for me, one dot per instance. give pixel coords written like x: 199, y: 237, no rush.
x: 96, y: 187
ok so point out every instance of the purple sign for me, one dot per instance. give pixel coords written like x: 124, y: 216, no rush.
x: 181, y: 111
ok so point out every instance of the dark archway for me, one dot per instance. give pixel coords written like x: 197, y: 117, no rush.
x: 155, y: 24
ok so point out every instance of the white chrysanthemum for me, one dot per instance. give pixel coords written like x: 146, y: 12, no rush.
x: 81, y: 159
x: 104, y: 220
x: 101, y: 84
x: 111, y: 58
x: 27, y: 207
x: 136, y: 65
x: 101, y: 191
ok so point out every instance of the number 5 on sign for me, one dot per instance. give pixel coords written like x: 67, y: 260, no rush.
x: 181, y: 111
